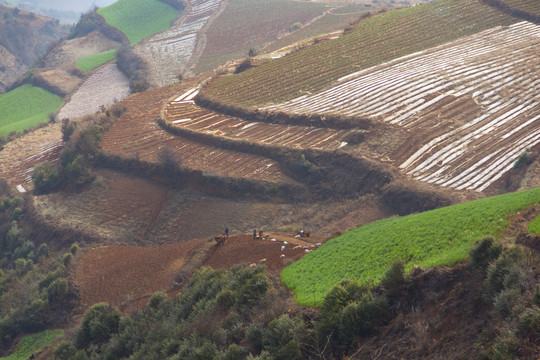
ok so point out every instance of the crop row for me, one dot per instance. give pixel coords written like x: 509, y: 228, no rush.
x: 103, y: 88
x: 183, y: 113
x: 372, y: 41
x: 168, y: 52
x: 474, y: 100
x: 139, y: 136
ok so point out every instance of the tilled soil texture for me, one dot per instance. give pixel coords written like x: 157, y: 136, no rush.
x: 19, y: 157
x: 127, y: 276
x: 121, y: 274
x: 137, y: 135
x: 132, y: 211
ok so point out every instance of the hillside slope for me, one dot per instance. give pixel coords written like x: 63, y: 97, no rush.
x: 24, y: 37
x: 372, y: 41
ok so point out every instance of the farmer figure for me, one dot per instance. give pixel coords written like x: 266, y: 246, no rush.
x: 227, y: 232
x: 260, y: 234
x: 254, y: 234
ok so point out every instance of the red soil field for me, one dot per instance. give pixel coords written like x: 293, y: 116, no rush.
x: 136, y: 135
x: 127, y: 276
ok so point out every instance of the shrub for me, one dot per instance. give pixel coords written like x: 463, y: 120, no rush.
x: 45, y: 178
x: 157, y: 299
x: 66, y: 259
x: 87, y: 23
x: 529, y: 322
x: 235, y: 352
x: 169, y: 161
x: 505, y: 301
x: 484, y: 252
x: 536, y: 296
x: 497, y: 272
x: 523, y: 160
x: 99, y: 323
x: 68, y: 128
x: 393, y: 277
x: 295, y: 26
x: 57, y: 290
x: 74, y: 248
x: 361, y: 317
x: 65, y: 351
x: 278, y: 335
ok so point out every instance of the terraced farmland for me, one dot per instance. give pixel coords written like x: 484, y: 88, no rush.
x: 372, y: 41
x: 529, y: 6
x: 103, y: 88
x: 245, y: 24
x: 472, y: 105
x: 19, y: 156
x: 138, y: 135
x: 184, y: 114
x: 169, y: 52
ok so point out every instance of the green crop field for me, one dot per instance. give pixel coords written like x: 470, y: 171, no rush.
x: 25, y: 107
x: 438, y: 237
x: 374, y: 40
x: 138, y: 19
x: 93, y: 61
x: 31, y: 344
x: 534, y: 226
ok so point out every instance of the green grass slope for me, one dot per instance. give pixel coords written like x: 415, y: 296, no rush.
x: 438, y: 237
x: 138, y: 19
x: 93, y: 61
x: 374, y: 40
x: 25, y: 107
x: 31, y: 344
x: 534, y: 226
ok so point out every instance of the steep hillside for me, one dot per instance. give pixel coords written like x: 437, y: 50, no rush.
x: 372, y: 41
x: 439, y: 237
x: 66, y: 11
x: 24, y: 37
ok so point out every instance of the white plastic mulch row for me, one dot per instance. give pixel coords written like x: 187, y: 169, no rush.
x: 103, y: 88
x: 498, y: 68
x: 169, y: 52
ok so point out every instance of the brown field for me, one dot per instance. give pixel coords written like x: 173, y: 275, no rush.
x: 19, y: 156
x: 127, y: 276
x: 137, y: 135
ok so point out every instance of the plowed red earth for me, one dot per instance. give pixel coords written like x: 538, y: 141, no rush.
x: 136, y: 134
x: 127, y: 276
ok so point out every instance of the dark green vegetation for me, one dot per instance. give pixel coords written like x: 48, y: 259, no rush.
x: 241, y: 314
x: 25, y: 107
x: 138, y: 19
x: 95, y: 60
x: 34, y: 291
x: 438, y: 237
x: 78, y: 155
x: 374, y: 40
x: 31, y: 344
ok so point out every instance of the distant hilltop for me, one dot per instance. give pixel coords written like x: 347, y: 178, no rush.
x: 67, y: 11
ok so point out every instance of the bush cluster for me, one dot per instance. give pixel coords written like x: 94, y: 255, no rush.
x: 32, y: 285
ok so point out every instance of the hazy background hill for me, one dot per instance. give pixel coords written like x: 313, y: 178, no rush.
x: 64, y: 10
x: 24, y: 37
